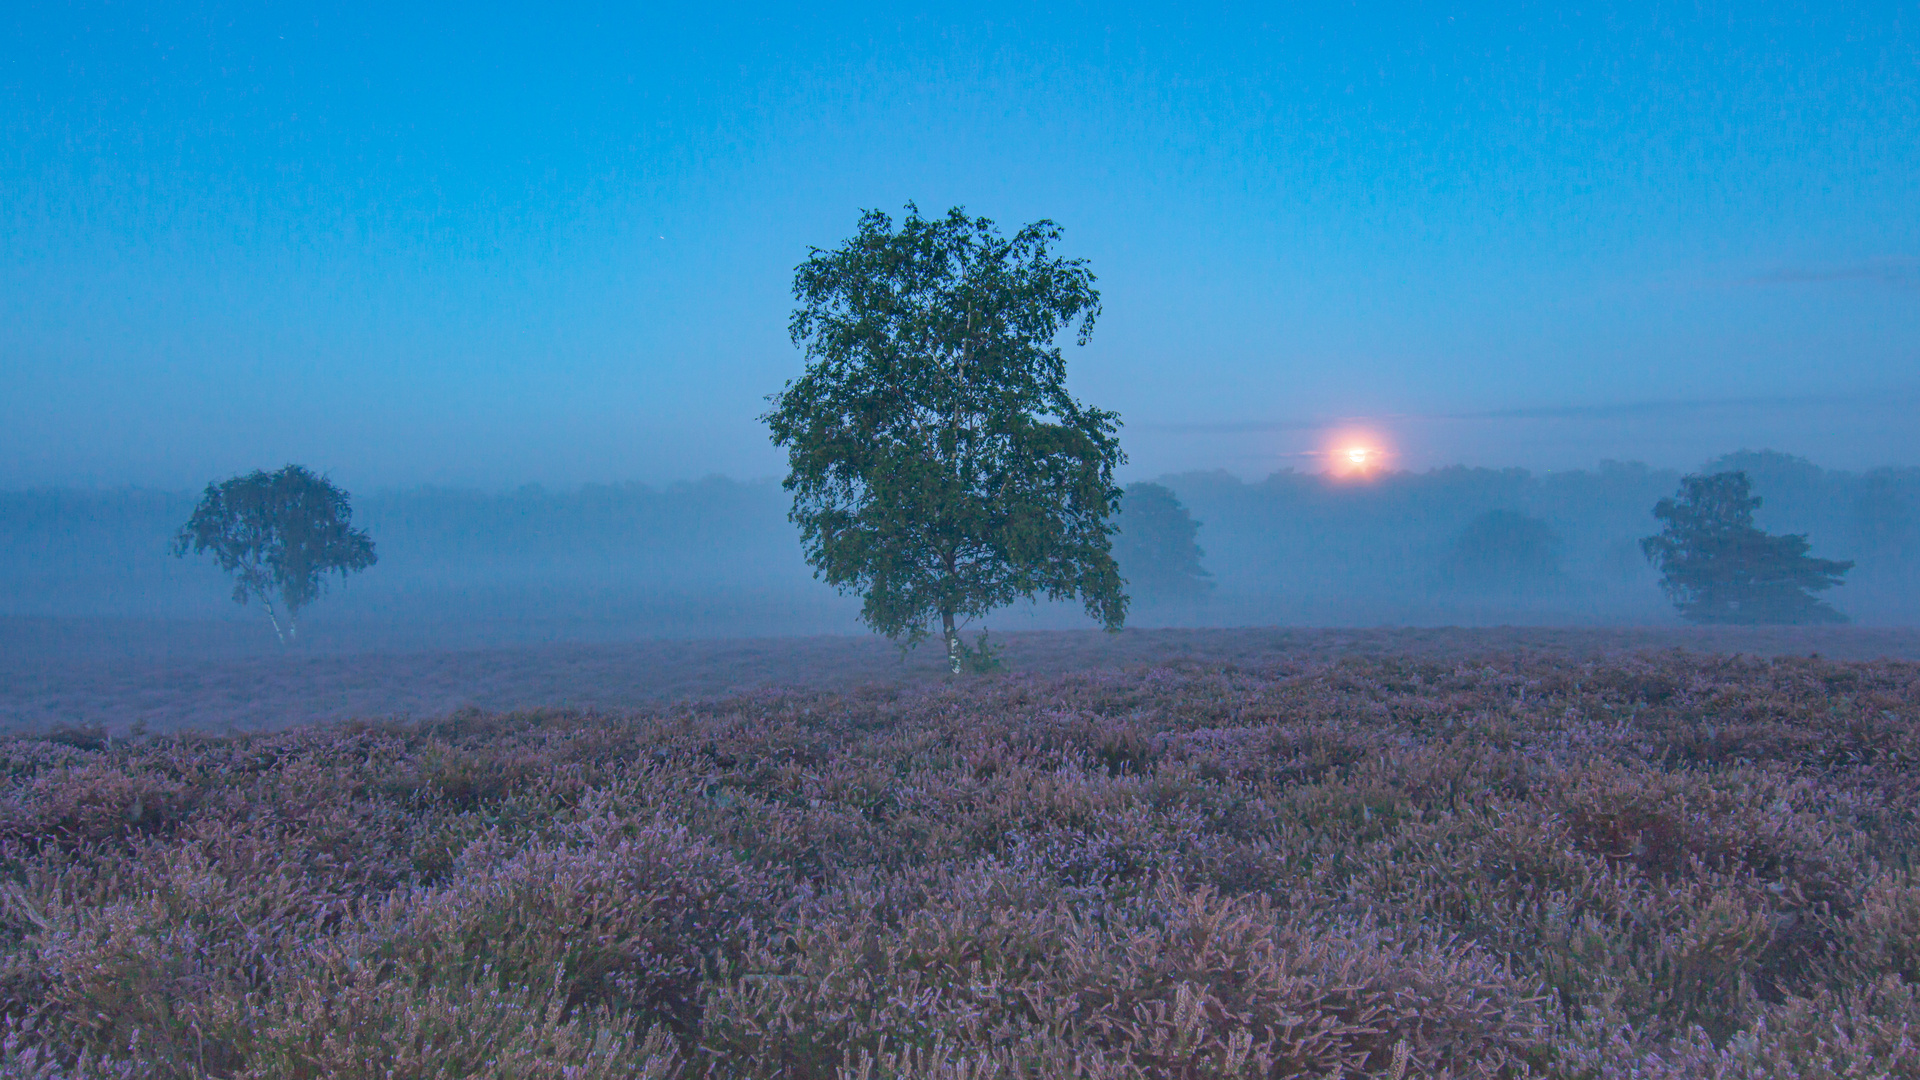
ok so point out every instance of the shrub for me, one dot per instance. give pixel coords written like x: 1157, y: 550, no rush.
x: 1654, y: 866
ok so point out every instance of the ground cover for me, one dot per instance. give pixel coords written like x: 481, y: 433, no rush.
x: 169, y: 675
x: 1656, y: 865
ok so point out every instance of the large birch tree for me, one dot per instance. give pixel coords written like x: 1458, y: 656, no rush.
x: 939, y: 466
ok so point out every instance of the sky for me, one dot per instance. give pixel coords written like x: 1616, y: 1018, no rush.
x: 487, y: 245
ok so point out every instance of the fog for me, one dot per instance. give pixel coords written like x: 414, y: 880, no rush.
x: 717, y: 558
x: 456, y: 567
x: 440, y: 253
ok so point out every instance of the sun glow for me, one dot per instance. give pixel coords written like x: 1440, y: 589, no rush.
x: 1355, y: 454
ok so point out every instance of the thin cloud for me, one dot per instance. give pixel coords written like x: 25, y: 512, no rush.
x: 1897, y: 271
x: 1234, y: 427
x: 1607, y: 411
x: 1643, y: 408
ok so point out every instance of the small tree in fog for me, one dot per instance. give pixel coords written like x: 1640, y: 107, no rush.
x: 1718, y: 567
x: 1157, y: 546
x: 938, y: 464
x: 1504, y: 549
x: 278, y: 534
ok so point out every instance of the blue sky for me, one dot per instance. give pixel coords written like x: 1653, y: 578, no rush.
x: 485, y: 245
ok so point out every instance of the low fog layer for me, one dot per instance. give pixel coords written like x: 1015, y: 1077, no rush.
x: 1482, y: 546
x: 718, y: 558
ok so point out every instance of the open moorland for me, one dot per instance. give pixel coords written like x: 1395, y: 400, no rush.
x: 1573, y: 863
x: 214, y: 676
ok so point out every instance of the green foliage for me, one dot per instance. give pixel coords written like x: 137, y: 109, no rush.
x: 1157, y: 548
x: 938, y: 464
x: 279, y: 534
x: 982, y: 657
x: 1719, y: 568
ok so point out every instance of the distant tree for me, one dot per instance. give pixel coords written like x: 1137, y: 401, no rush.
x: 1883, y: 518
x: 1157, y: 546
x: 1772, y: 470
x: 1504, y: 549
x: 938, y: 464
x: 1718, y: 567
x: 278, y: 534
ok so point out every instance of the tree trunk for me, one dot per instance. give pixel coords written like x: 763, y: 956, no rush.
x: 953, y: 641
x: 274, y: 619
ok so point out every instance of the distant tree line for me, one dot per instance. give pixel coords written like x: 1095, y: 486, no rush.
x: 1564, y: 542
x: 1291, y: 548
x: 1511, y: 541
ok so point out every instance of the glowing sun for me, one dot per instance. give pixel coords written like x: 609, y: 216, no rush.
x: 1355, y: 454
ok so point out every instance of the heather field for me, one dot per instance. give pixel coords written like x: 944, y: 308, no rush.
x: 224, y: 676
x: 1573, y: 863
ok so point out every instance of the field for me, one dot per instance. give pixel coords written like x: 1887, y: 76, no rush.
x: 220, y: 676
x: 1256, y: 853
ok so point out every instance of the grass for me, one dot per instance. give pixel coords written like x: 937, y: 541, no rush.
x: 1662, y: 865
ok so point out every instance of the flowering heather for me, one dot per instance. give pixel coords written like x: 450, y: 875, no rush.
x: 1666, y: 865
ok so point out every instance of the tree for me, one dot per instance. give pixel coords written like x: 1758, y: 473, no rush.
x: 278, y: 534
x: 1157, y: 546
x: 938, y: 464
x: 1718, y: 567
x: 1883, y: 518
x: 1504, y: 549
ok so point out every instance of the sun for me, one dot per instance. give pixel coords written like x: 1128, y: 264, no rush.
x: 1355, y: 455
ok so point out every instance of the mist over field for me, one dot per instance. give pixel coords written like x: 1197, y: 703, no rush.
x: 1378, y: 541
x: 717, y: 558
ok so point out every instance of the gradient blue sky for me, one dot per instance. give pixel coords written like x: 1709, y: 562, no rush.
x: 486, y: 245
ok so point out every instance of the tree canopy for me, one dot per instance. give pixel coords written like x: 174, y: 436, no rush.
x: 938, y: 463
x: 278, y: 534
x: 1718, y: 567
x: 1158, y: 546
x: 1504, y: 549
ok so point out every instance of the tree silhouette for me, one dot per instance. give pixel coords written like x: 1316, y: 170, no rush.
x: 1504, y: 549
x: 938, y: 464
x: 1717, y: 567
x: 278, y: 534
x: 1157, y: 546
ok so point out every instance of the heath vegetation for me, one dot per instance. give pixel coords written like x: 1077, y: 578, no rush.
x: 1664, y: 865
